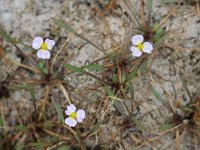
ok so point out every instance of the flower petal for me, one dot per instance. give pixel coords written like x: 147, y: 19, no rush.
x: 71, y: 108
x: 136, y: 52
x: 80, y: 115
x: 137, y: 39
x: 37, y: 42
x: 147, y: 47
x: 44, y: 54
x: 70, y: 122
x: 50, y: 43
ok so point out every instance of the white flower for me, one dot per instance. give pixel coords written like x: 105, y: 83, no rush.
x: 43, y: 47
x: 71, y: 121
x: 139, y: 47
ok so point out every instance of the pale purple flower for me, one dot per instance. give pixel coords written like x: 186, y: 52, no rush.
x: 139, y: 47
x: 74, y: 116
x: 43, y: 47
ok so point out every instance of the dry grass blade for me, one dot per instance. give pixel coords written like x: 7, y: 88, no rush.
x: 57, y: 135
x: 177, y: 139
x: 56, y: 56
x: 44, y: 103
x: 155, y: 138
x: 1, y: 47
x: 62, y: 88
x: 171, y: 12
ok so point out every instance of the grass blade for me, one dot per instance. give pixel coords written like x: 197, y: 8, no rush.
x: 93, y: 67
x: 19, y: 146
x: 110, y: 93
x: 4, y: 34
x: 75, y: 69
x: 32, y: 92
x: 132, y: 74
x: 22, y: 128
x: 61, y: 23
x: 59, y: 111
x: 149, y: 5
x: 63, y: 148
x: 143, y: 66
x: 157, y: 94
x: 95, y: 128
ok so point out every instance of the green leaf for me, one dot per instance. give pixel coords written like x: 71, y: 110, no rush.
x: 138, y: 123
x: 168, y: 1
x: 149, y: 5
x: 131, y: 89
x: 59, y: 111
x: 95, y: 128
x: 63, y: 148
x: 157, y: 94
x: 4, y: 34
x: 45, y: 71
x: 93, y: 67
x: 19, y: 146
x: 143, y: 66
x: 20, y: 86
x: 21, y: 128
x: 61, y: 23
x: 123, y: 79
x: 41, y: 65
x: 1, y: 147
x: 1, y: 122
x: 32, y: 92
x: 38, y: 145
x: 132, y: 74
x: 78, y: 137
x: 114, y: 79
x: 110, y: 93
x: 165, y: 127
x: 75, y: 69
x: 158, y: 34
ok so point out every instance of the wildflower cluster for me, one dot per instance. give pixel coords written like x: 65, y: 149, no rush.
x: 44, y: 48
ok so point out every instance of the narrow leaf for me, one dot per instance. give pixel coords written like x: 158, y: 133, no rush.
x: 165, y: 127
x: 61, y: 23
x: 39, y: 145
x: 143, y: 66
x: 95, y: 128
x: 4, y: 34
x: 19, y: 146
x: 1, y: 122
x: 149, y: 5
x: 59, y: 111
x: 93, y: 67
x: 21, y: 128
x: 63, y: 148
x: 138, y: 123
x: 132, y: 74
x: 110, y: 93
x: 156, y: 93
x: 32, y: 92
x: 168, y: 1
x: 75, y: 69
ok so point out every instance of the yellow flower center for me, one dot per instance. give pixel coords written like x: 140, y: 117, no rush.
x: 140, y: 46
x: 44, y: 46
x: 73, y: 115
